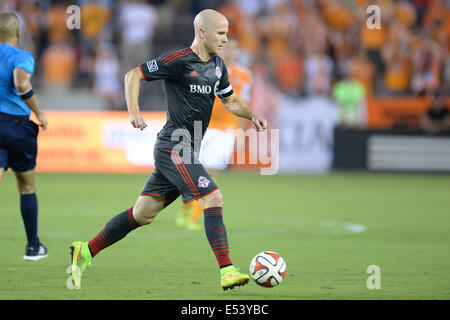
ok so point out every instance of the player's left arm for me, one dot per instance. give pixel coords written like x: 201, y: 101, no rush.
x: 238, y: 107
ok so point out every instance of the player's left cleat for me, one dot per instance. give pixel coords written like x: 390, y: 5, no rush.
x: 81, y: 259
x: 231, y: 277
x: 35, y: 253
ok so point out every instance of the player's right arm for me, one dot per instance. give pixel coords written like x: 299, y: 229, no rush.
x: 133, y: 79
x: 165, y: 67
x: 22, y: 84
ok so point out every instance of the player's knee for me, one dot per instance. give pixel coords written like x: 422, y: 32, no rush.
x: 25, y: 182
x: 143, y: 215
x: 26, y: 188
x: 146, y: 209
x: 215, y: 199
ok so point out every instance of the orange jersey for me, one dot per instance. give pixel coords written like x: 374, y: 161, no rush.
x: 240, y: 79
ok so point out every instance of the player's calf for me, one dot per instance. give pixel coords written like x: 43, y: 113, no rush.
x: 114, y: 230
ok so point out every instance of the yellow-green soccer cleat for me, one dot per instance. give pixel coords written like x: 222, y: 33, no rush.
x: 231, y: 277
x: 81, y: 259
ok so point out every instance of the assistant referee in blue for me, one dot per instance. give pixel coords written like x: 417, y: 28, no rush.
x: 18, y: 134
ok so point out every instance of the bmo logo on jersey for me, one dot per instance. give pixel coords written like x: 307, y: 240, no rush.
x: 203, y: 89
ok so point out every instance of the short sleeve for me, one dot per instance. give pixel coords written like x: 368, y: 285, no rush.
x: 168, y: 66
x: 225, y: 89
x: 25, y: 61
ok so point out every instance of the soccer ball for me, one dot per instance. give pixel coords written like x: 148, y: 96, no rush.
x: 268, y: 269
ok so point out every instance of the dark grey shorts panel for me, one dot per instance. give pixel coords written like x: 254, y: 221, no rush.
x: 173, y: 177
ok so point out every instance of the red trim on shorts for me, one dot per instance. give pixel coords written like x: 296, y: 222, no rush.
x: 150, y: 194
x: 184, y: 174
x: 183, y: 167
x: 201, y: 196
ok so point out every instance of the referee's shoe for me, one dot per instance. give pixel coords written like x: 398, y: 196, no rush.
x: 35, y: 253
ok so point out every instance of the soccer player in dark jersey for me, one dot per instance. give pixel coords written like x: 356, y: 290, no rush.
x: 193, y: 77
x: 18, y: 134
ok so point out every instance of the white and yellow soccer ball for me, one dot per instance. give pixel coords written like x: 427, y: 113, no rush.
x: 268, y: 269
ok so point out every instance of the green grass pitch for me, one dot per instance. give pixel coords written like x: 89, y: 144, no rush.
x: 329, y: 229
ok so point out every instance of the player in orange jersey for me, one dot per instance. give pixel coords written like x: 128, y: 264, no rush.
x: 219, y: 140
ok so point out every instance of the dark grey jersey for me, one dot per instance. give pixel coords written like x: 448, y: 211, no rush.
x: 191, y: 87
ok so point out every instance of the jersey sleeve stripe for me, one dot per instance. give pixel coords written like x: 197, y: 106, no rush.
x: 176, y: 57
x: 170, y: 55
x: 173, y: 55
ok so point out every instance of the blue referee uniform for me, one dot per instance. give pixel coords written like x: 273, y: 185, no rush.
x: 18, y: 134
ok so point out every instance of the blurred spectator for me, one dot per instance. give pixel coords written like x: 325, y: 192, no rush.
x: 373, y: 40
x: 406, y: 14
x: 265, y: 100
x: 421, y: 7
x: 397, y: 59
x: 137, y: 20
x: 107, y: 71
x: 312, y: 35
x: 55, y: 19
x: 318, y: 72
x: 29, y: 17
x: 94, y: 16
x: 289, y: 74
x: 336, y: 14
x: 59, y: 64
x: 427, y: 62
x: 437, y: 118
x: 350, y: 95
x: 362, y: 69
x: 251, y: 8
x: 234, y: 16
x: 437, y: 21
x: 279, y: 28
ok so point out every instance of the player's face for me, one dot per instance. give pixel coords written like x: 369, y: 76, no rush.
x: 216, y: 37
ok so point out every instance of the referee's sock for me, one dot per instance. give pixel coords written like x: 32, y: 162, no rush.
x: 217, y: 235
x: 29, y: 210
x: 114, y: 230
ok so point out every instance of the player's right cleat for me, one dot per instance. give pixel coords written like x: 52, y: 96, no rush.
x: 81, y: 259
x: 231, y: 277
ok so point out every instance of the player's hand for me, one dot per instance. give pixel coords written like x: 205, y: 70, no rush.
x: 138, y: 121
x: 42, y: 118
x: 259, y: 122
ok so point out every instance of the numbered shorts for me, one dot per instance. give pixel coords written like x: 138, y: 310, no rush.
x: 18, y: 142
x: 173, y: 176
x: 216, y: 149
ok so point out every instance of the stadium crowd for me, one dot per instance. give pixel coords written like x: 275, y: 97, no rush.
x: 299, y: 47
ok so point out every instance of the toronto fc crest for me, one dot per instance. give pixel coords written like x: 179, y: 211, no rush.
x: 218, y: 72
x: 203, y: 182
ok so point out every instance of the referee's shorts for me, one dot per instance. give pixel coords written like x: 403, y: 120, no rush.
x: 173, y: 177
x: 18, y: 142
